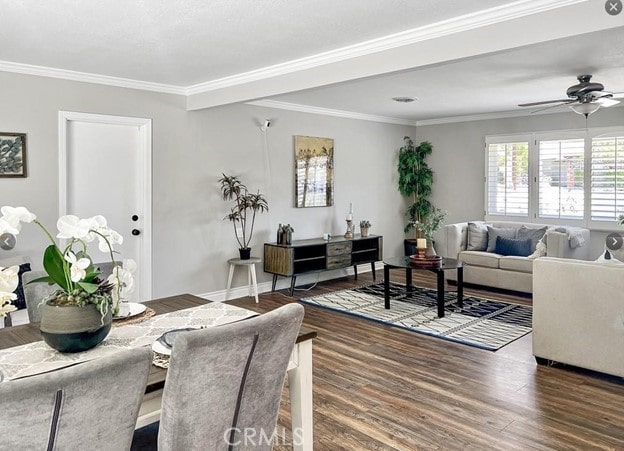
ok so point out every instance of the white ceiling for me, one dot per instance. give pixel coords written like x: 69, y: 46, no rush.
x: 177, y: 46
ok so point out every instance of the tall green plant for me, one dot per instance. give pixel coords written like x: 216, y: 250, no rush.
x: 415, y: 181
x: 244, y: 201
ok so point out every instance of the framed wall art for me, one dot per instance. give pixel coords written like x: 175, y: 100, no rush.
x: 12, y: 154
x: 314, y: 171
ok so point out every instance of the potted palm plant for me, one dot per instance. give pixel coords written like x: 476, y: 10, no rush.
x: 415, y: 182
x: 243, y: 213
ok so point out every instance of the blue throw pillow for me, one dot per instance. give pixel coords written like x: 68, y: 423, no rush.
x: 513, y: 246
x: 20, y: 302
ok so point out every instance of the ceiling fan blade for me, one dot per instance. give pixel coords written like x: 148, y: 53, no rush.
x: 545, y: 102
x: 554, y: 106
x: 606, y: 101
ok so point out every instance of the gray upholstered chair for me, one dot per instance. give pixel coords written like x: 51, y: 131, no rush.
x: 224, y: 380
x: 92, y: 405
x: 34, y: 293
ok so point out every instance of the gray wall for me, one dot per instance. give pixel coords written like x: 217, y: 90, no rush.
x: 190, y: 151
x: 458, y: 158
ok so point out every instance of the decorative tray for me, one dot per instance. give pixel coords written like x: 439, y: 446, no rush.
x: 427, y: 262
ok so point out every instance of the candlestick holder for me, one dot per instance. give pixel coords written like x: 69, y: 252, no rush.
x: 349, y: 234
x: 421, y: 253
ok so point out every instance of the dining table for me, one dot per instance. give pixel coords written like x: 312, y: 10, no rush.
x: 299, y: 370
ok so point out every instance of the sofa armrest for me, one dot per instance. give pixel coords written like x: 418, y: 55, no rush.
x: 455, y: 236
x: 558, y: 245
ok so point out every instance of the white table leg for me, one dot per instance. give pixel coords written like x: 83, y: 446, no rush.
x: 249, y: 267
x: 227, y: 291
x: 300, y: 388
x: 252, y: 269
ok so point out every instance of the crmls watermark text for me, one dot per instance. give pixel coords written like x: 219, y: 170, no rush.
x: 613, y: 7
x: 255, y: 437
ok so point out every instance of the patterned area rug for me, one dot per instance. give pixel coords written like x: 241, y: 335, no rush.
x: 483, y: 323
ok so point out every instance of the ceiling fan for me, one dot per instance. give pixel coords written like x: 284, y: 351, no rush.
x: 584, y: 98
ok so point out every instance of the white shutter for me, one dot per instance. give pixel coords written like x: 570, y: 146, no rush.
x: 607, y: 178
x: 561, y: 178
x: 507, y: 179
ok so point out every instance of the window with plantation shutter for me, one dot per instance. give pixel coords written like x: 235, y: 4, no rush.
x: 607, y: 178
x: 507, y: 179
x: 561, y: 176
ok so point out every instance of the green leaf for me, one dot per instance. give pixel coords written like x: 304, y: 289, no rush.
x: 53, y: 263
x: 88, y: 287
x: 46, y: 279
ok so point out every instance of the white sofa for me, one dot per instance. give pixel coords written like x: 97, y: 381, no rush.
x: 578, y: 314
x: 507, y: 272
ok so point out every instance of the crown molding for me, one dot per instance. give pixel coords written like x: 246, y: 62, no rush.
x: 329, y: 112
x: 454, y: 25
x: 489, y: 116
x: 42, y: 71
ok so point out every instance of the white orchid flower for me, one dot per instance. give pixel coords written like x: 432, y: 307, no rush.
x: 78, y: 266
x: 9, y: 279
x: 12, y: 217
x: 123, y: 281
x: 108, y: 235
x: 71, y: 226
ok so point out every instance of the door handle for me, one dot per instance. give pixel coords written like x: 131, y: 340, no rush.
x: 136, y: 232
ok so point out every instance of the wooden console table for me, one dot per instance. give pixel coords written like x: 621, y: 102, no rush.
x: 315, y: 255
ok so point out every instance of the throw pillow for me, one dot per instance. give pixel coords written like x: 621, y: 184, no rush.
x: 540, y: 249
x: 607, y: 258
x: 534, y: 235
x: 494, y: 232
x: 513, y: 246
x: 20, y: 302
x: 477, y: 239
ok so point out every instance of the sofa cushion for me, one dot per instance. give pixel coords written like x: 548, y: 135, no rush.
x: 477, y: 239
x: 515, y: 263
x: 513, y: 246
x: 534, y: 234
x: 494, y: 232
x: 479, y: 258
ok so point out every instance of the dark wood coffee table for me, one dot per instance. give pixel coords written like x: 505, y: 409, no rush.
x: 406, y: 263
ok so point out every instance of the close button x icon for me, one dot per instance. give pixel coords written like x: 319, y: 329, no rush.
x: 613, y: 7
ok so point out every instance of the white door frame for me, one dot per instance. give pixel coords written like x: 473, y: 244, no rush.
x: 145, y: 183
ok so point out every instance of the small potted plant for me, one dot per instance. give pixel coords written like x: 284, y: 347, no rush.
x: 430, y: 225
x: 284, y: 234
x: 365, y: 225
x: 245, y: 203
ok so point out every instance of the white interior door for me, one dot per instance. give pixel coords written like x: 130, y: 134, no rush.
x: 105, y: 168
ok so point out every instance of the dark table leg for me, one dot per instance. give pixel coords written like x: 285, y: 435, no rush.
x: 373, y: 270
x: 408, y: 279
x: 292, y: 284
x: 387, y: 287
x: 440, y: 294
x: 274, y: 282
x: 460, y: 286
x: 355, y: 271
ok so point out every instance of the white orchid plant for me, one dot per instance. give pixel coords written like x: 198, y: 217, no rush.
x: 70, y: 267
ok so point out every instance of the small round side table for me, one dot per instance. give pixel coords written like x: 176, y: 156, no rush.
x: 251, y: 275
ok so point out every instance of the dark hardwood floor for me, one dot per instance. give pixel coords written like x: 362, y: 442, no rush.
x: 382, y: 388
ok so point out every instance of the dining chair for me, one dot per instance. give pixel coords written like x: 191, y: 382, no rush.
x: 224, y: 383
x: 91, y: 405
x: 35, y: 293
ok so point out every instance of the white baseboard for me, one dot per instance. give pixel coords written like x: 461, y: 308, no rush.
x: 284, y: 283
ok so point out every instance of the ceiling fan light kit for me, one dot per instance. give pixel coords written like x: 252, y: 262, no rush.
x: 584, y: 108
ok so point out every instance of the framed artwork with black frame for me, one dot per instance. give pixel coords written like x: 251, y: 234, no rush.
x: 12, y: 154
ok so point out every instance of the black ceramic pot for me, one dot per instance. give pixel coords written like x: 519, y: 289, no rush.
x: 245, y: 253
x: 69, y: 328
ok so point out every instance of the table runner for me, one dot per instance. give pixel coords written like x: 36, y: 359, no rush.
x: 38, y: 357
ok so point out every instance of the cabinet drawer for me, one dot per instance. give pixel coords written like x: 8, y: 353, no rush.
x: 338, y: 248
x: 338, y: 261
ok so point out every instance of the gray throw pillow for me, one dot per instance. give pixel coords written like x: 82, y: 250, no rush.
x: 477, y: 239
x: 494, y: 232
x: 534, y: 235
